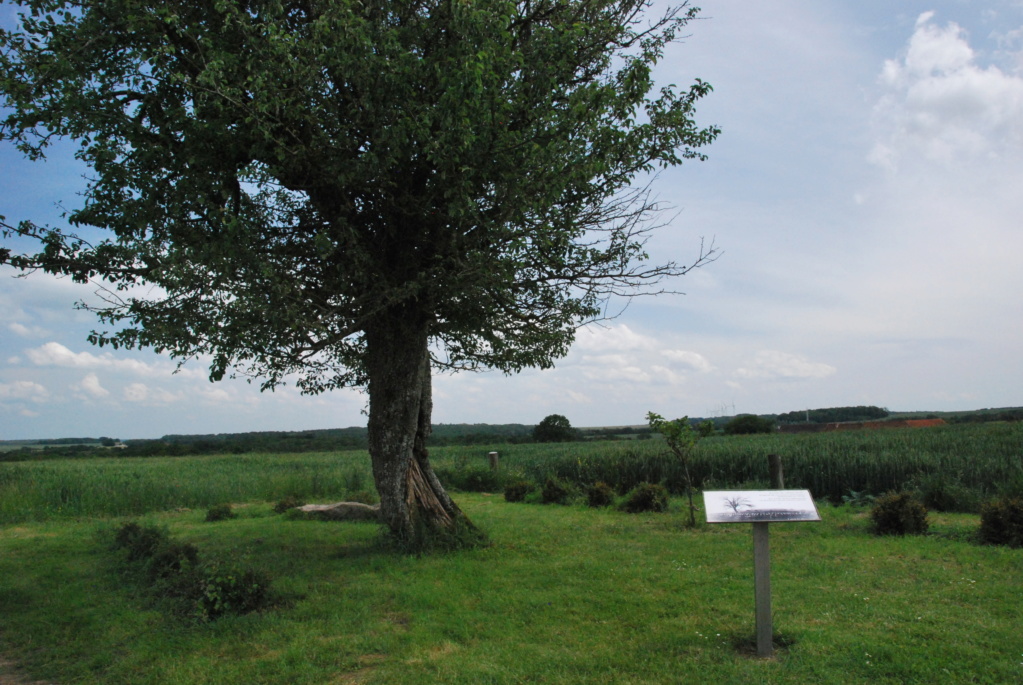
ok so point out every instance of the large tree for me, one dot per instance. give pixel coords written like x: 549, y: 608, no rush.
x: 351, y: 193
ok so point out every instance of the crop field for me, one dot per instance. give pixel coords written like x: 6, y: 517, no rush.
x: 562, y: 594
x: 956, y: 466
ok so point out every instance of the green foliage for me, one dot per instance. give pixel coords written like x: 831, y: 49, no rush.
x: 226, y: 589
x: 517, y: 491
x: 173, y: 574
x: 600, y: 494
x: 834, y: 415
x: 748, y: 424
x: 1001, y: 521
x: 471, y: 478
x: 942, y: 492
x: 646, y: 497
x: 555, y: 491
x: 555, y: 428
x: 139, y: 542
x: 858, y: 499
x: 898, y: 513
x: 681, y: 439
x: 289, y: 502
x: 220, y: 512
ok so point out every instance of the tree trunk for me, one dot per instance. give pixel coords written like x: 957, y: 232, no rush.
x: 413, y: 503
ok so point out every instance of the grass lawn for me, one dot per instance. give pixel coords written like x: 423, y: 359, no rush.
x: 563, y: 595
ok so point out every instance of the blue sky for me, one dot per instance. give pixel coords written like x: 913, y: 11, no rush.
x: 865, y: 192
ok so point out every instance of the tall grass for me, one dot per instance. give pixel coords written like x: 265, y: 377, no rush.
x: 37, y: 491
x: 979, y: 458
x: 982, y: 458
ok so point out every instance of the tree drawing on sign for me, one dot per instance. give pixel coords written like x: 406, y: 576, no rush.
x: 353, y: 194
x: 736, y: 503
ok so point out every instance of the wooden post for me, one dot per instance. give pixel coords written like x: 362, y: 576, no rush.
x: 762, y: 589
x: 493, y: 460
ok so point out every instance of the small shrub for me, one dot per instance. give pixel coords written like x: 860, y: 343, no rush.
x: 898, y: 513
x: 1001, y: 521
x: 287, y: 503
x: 220, y: 512
x: 471, y: 479
x: 140, y: 542
x: 939, y: 492
x: 171, y: 558
x: 646, y: 497
x: 516, y: 492
x: 229, y: 590
x: 600, y: 494
x: 860, y: 498
x: 555, y: 491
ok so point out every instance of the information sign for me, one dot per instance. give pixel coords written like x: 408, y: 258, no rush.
x: 759, y: 506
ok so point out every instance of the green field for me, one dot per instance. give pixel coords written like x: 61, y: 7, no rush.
x: 564, y: 594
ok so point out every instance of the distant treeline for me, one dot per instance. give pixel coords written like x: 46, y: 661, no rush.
x: 833, y: 415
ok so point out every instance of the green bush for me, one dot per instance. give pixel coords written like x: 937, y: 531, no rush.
x: 139, y: 542
x: 939, y: 492
x: 1001, y: 521
x: 228, y: 590
x: 516, y: 492
x: 555, y: 491
x: 220, y: 512
x: 471, y: 479
x: 600, y: 494
x: 171, y: 558
x: 646, y: 497
x: 898, y: 513
x: 290, y: 502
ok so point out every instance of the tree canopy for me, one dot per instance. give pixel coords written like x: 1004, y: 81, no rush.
x: 339, y: 193
x: 555, y: 428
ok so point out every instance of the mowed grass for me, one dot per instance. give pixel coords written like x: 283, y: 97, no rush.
x: 563, y: 595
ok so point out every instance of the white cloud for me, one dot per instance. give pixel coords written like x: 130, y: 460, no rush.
x: 693, y: 360
x: 773, y: 364
x: 92, y: 387
x: 55, y: 354
x: 25, y: 331
x: 941, y: 105
x: 23, y: 390
x: 607, y: 338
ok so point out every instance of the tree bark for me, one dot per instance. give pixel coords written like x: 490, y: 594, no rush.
x: 413, y: 503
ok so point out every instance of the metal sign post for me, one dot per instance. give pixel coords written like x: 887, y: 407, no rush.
x: 761, y: 508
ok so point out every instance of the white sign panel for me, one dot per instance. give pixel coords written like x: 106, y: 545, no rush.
x: 753, y: 506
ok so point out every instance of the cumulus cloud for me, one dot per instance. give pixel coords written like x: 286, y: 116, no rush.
x: 140, y: 393
x: 91, y: 386
x: 693, y: 360
x: 612, y: 338
x: 939, y: 104
x: 23, y: 390
x: 771, y: 364
x: 55, y: 354
x: 25, y: 331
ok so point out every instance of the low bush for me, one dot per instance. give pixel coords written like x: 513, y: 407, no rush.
x: 471, y: 479
x: 939, y: 492
x: 646, y: 497
x: 600, y: 494
x: 1001, y: 521
x: 898, y: 513
x: 290, y: 502
x: 517, y: 491
x: 139, y: 542
x: 175, y: 577
x: 220, y: 512
x: 229, y: 590
x: 555, y: 491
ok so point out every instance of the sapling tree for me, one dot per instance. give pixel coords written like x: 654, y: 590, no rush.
x: 681, y: 439
x: 335, y: 193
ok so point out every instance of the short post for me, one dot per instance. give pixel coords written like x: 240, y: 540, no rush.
x: 762, y: 588
x: 492, y: 456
